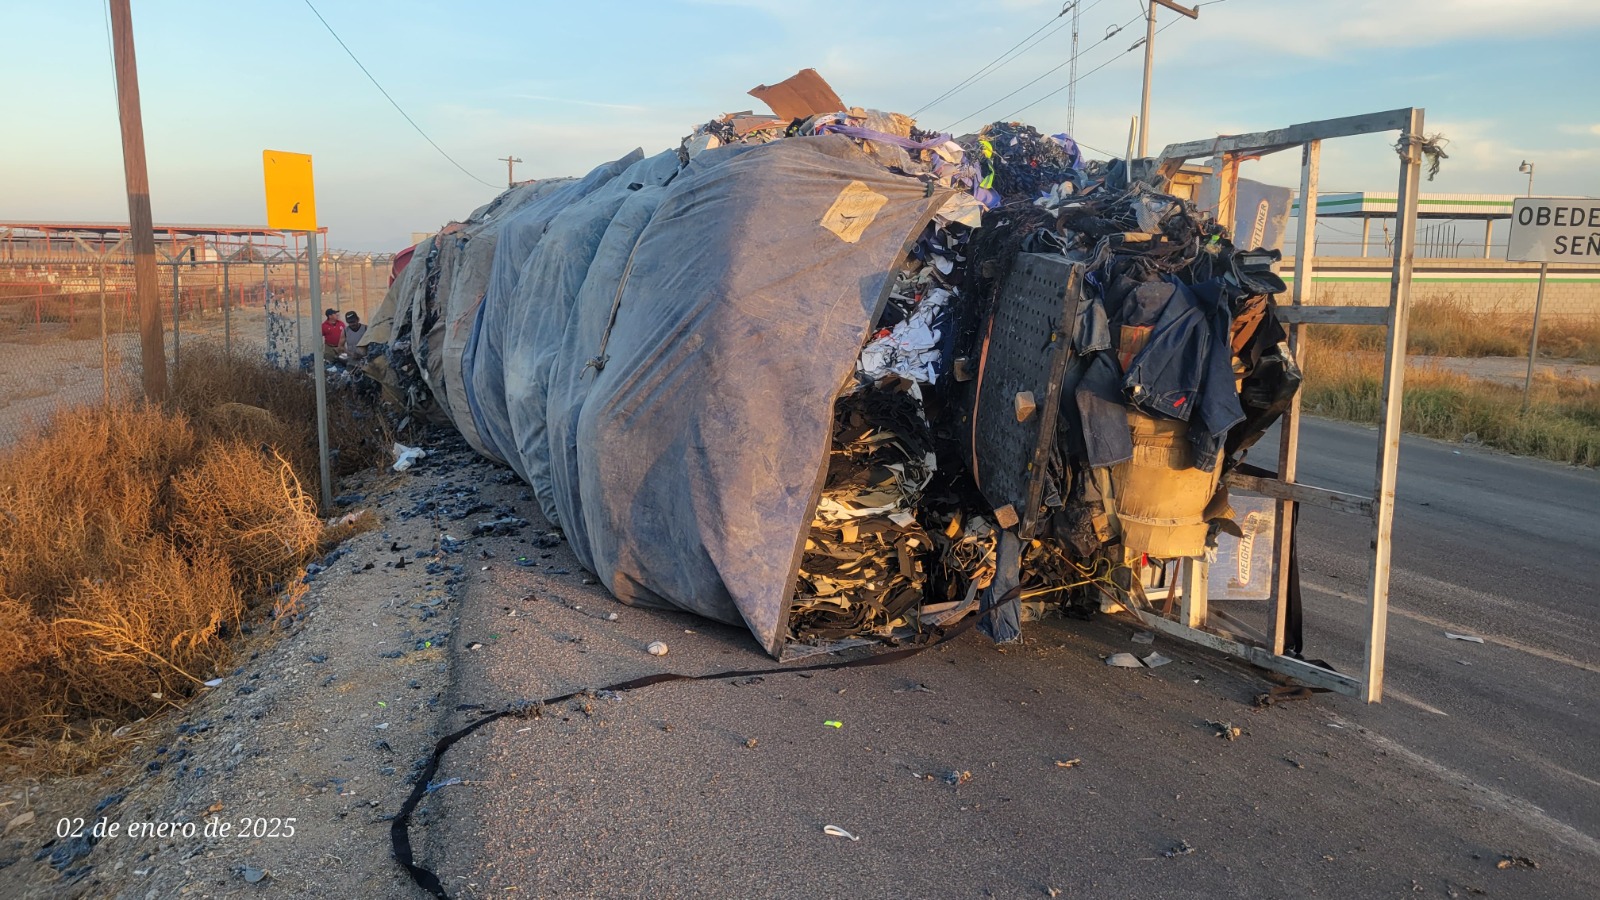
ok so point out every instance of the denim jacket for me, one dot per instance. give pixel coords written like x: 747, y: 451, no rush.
x: 1185, y: 372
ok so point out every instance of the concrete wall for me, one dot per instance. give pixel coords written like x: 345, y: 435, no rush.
x: 1487, y: 285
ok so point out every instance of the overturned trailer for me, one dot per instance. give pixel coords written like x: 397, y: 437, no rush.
x: 829, y: 376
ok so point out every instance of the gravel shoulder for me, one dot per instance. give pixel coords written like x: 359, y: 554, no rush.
x: 306, y: 746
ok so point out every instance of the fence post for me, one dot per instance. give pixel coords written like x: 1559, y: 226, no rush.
x: 266, y: 309
x: 177, y: 313
x: 105, y: 346
x: 227, y: 315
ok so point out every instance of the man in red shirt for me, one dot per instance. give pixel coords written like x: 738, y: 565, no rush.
x: 332, y: 334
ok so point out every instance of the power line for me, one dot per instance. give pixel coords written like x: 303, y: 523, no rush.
x: 1136, y: 45
x: 1111, y: 32
x: 392, y: 100
x: 1008, y: 56
x: 990, y: 66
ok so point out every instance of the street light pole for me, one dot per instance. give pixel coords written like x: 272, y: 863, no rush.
x: 1149, y: 59
x: 1527, y: 167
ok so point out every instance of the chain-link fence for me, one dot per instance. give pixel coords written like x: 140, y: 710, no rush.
x: 69, y: 328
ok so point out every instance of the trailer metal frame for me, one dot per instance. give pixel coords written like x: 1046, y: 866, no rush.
x: 1193, y: 622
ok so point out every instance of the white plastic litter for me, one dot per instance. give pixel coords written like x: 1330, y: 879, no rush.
x: 405, y: 457
x: 1154, y: 660
x: 1471, y: 638
x: 836, y: 831
x: 911, y: 349
x: 657, y: 648
x: 215, y: 682
x: 1124, y: 661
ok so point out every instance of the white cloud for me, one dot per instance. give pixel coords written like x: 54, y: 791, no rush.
x: 1314, y: 28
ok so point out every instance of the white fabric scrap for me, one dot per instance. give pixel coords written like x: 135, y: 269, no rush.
x: 962, y: 207
x: 911, y: 349
x: 405, y: 456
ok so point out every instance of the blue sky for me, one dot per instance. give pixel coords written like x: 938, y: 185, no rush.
x: 567, y: 85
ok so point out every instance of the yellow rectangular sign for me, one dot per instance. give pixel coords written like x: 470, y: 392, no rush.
x: 291, y: 197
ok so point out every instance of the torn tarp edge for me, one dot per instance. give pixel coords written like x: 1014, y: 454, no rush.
x: 780, y: 637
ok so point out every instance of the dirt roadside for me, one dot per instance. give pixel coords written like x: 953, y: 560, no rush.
x: 281, y: 780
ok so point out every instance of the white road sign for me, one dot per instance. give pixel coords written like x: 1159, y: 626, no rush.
x: 1554, y: 229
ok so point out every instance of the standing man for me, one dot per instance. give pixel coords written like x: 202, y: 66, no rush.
x: 332, y: 334
x: 354, y: 332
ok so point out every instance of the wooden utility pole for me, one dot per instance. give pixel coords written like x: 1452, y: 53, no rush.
x: 510, y: 162
x: 1149, y: 59
x: 141, y: 223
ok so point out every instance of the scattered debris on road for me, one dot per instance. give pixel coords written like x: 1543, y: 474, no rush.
x: 406, y: 457
x: 1516, y: 862
x: 1226, y: 729
x: 836, y: 831
x: 1470, y: 638
x: 1184, y: 848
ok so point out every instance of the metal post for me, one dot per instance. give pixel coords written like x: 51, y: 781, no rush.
x: 1533, y: 342
x: 1488, y: 236
x: 299, y: 347
x: 1366, y: 232
x: 266, y: 310
x: 177, y: 313
x: 105, y: 342
x: 227, y: 315
x: 1394, y: 377
x: 319, y: 363
x: 1289, y: 431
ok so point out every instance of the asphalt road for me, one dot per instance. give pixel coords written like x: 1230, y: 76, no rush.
x: 977, y: 771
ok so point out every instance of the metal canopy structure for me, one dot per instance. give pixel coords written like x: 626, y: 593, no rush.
x: 61, y: 241
x: 1369, y: 205
x: 1193, y: 621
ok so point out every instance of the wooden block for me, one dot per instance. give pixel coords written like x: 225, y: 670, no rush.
x: 1006, y: 516
x: 1024, y: 405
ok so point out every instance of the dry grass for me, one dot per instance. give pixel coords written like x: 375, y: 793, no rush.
x: 239, y: 506
x: 240, y: 396
x: 126, y: 544
x: 133, y: 542
x: 1444, y: 326
x: 348, y: 527
x: 1563, y: 422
